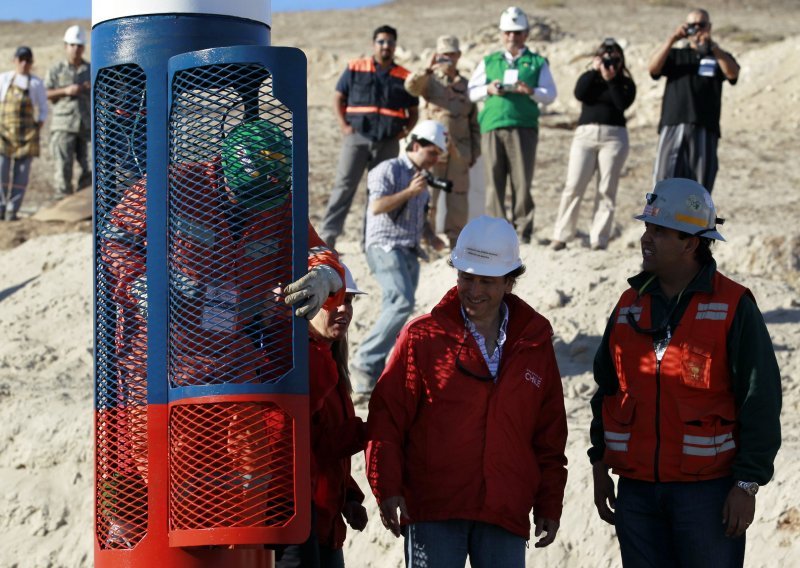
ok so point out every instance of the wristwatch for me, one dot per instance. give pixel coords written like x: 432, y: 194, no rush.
x: 749, y: 487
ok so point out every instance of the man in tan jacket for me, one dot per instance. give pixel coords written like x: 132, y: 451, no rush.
x: 447, y: 101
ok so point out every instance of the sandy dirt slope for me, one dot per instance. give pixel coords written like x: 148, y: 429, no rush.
x: 45, y: 292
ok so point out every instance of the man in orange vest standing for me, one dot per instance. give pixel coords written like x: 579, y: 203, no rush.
x: 374, y: 112
x: 687, y: 410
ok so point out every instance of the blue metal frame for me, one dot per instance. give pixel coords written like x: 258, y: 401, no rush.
x: 288, y: 69
x: 161, y: 45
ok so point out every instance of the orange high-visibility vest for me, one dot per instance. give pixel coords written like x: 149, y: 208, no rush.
x: 674, y: 420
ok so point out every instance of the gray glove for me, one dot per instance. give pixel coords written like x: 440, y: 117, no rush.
x: 310, y: 292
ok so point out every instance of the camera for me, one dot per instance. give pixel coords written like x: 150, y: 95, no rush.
x: 609, y: 62
x: 443, y: 59
x: 443, y: 184
x: 691, y: 30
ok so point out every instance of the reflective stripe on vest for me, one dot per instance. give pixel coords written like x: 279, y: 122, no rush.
x: 707, y: 445
x: 623, y: 313
x: 617, y: 441
x: 712, y: 311
x: 379, y: 110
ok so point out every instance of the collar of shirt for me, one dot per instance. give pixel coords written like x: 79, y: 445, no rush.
x: 493, y: 360
x: 407, y: 161
x: 511, y: 59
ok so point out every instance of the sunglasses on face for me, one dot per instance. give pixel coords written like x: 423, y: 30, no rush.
x: 698, y: 25
x: 515, y: 32
x: 389, y: 42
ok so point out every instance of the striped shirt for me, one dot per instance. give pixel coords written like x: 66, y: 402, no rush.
x: 402, y: 227
x: 493, y: 360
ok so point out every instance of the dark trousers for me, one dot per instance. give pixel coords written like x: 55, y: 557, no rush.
x: 358, y: 154
x: 687, y: 151
x: 675, y: 525
x: 510, y: 154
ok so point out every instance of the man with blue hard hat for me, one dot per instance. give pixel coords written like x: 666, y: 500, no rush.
x: 687, y: 410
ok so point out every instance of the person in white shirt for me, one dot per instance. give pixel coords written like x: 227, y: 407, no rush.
x: 23, y: 110
x: 512, y: 83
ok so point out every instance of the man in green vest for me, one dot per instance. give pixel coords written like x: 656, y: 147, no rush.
x: 511, y: 83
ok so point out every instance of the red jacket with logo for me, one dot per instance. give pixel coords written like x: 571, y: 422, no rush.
x: 456, y: 447
x: 673, y: 420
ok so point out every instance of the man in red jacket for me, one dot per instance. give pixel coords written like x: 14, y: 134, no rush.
x: 467, y: 427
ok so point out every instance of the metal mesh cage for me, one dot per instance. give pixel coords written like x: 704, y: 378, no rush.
x: 229, y: 227
x: 231, y: 465
x: 121, y: 307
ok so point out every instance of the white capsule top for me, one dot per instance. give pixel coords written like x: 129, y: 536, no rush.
x: 258, y: 10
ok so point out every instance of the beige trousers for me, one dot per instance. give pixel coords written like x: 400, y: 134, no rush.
x: 595, y: 148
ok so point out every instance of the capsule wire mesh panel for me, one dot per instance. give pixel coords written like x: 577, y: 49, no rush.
x: 231, y: 465
x: 229, y: 227
x: 121, y: 307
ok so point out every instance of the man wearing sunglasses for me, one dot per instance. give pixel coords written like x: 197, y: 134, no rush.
x: 687, y: 410
x: 689, y: 128
x: 512, y: 83
x: 374, y: 112
x: 467, y: 427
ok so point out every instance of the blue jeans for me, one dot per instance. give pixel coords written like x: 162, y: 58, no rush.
x: 677, y: 524
x: 446, y: 544
x: 397, y: 272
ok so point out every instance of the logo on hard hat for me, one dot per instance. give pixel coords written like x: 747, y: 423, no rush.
x: 692, y: 202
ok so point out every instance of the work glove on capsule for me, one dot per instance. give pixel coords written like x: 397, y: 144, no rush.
x: 310, y: 292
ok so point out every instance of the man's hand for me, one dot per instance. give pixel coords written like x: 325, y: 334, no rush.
x: 604, y: 498
x: 547, y: 526
x: 679, y: 33
x: 355, y: 514
x: 389, y: 518
x: 522, y: 88
x: 738, y: 512
x: 437, y: 243
x: 72, y: 90
x: 417, y: 185
x: 312, y: 290
x: 495, y: 88
x: 346, y: 129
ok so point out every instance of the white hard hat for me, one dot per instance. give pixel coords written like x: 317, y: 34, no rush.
x: 75, y: 35
x: 684, y: 205
x: 350, y: 286
x: 432, y: 131
x: 513, y: 19
x: 487, y: 246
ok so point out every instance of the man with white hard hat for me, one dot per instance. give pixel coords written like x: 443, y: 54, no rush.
x: 396, y: 223
x: 511, y: 83
x: 69, y: 89
x: 687, y: 410
x: 467, y: 427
